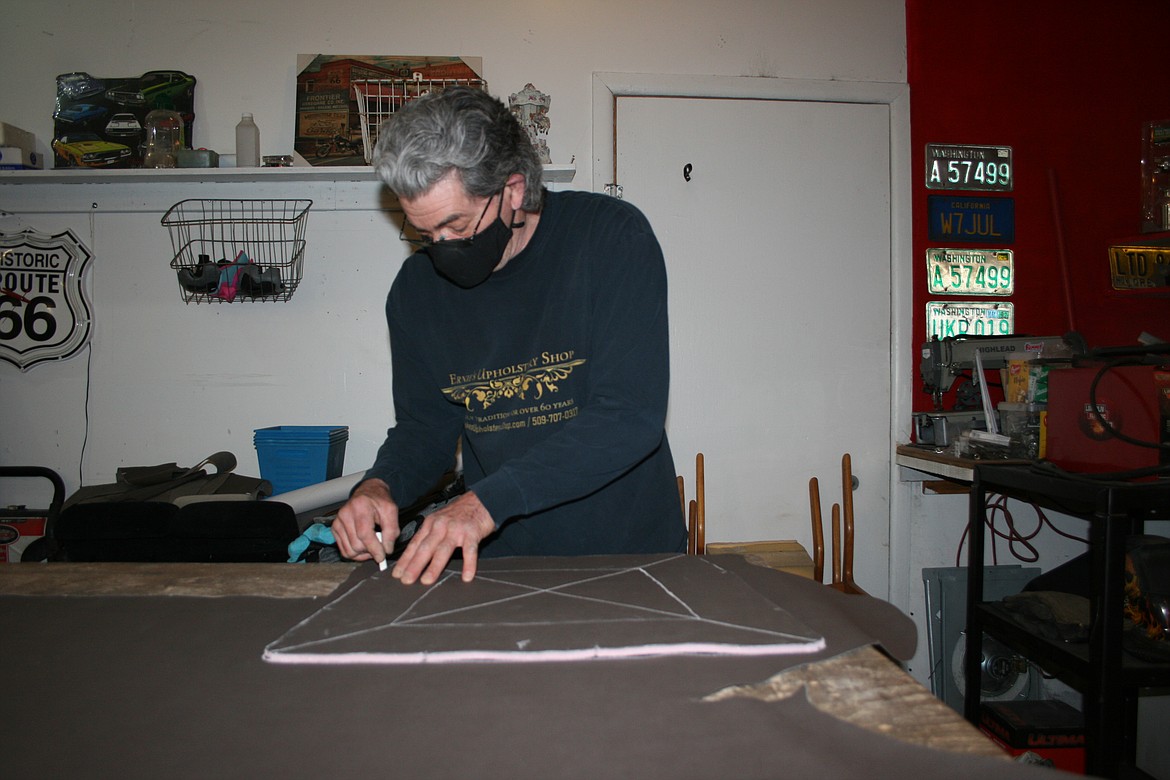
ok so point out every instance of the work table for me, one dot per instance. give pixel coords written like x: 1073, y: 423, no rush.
x: 157, y: 671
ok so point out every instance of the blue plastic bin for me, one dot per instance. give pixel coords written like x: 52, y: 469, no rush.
x: 295, y: 456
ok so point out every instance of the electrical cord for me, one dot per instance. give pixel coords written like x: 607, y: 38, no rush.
x: 1095, y: 408
x: 88, y: 373
x: 998, y: 505
x: 85, y: 406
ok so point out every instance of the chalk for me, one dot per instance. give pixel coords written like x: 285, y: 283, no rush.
x: 381, y: 563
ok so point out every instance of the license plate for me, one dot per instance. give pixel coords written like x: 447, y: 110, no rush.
x: 1139, y: 267
x: 963, y: 167
x: 969, y: 318
x: 971, y: 220
x: 970, y: 271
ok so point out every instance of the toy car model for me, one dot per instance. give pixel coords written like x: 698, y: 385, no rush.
x: 78, y: 85
x: 126, y: 94
x: 88, y: 150
x: 164, y: 88
x: 123, y: 124
x: 80, y: 113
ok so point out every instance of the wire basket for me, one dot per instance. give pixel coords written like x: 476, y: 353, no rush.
x: 233, y: 250
x: 378, y: 99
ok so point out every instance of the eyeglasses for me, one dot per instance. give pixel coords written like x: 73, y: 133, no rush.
x: 418, y: 242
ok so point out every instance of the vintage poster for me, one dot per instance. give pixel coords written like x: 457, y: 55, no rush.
x: 102, y: 123
x: 342, y: 99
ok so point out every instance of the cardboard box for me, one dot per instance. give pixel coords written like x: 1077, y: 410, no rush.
x: 17, y: 533
x: 14, y: 136
x: 1051, y: 729
x: 15, y: 158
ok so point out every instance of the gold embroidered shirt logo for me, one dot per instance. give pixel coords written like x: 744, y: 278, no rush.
x: 535, y: 379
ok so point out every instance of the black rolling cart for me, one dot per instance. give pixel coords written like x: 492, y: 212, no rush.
x: 1108, y: 677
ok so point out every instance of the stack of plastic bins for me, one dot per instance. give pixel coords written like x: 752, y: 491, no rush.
x: 295, y: 456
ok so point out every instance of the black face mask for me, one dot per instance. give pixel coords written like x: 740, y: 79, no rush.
x: 470, y: 261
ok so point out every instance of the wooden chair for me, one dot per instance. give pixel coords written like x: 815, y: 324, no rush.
x: 695, y: 513
x: 782, y: 555
x: 842, y: 550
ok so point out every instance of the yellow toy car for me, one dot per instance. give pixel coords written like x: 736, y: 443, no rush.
x: 88, y: 150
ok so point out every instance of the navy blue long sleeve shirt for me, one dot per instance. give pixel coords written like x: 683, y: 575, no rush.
x: 555, y: 372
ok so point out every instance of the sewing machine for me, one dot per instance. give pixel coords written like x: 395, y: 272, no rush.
x: 944, y: 360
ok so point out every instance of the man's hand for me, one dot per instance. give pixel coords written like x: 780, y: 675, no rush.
x: 460, y: 525
x: 369, y: 507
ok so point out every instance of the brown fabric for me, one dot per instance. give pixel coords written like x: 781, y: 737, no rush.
x: 149, y: 687
x: 846, y: 621
x: 551, y: 610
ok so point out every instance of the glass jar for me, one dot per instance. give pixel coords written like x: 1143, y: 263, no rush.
x: 164, y: 139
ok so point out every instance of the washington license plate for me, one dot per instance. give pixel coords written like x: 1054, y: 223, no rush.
x: 969, y: 318
x: 970, y: 271
x: 963, y: 167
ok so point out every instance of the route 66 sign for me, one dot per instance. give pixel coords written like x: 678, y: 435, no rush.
x: 44, y: 313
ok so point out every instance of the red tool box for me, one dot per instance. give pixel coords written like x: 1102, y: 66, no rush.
x: 1132, y: 405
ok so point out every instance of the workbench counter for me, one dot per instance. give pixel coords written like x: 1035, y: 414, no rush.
x: 157, y: 672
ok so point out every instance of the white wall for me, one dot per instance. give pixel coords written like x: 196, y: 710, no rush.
x: 244, y: 53
x: 167, y: 381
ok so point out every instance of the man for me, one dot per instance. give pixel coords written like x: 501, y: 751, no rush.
x: 531, y: 329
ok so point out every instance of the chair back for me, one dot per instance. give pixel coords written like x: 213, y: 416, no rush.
x: 841, y: 551
x: 695, y: 511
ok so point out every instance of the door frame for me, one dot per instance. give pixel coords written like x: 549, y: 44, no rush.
x: 609, y: 86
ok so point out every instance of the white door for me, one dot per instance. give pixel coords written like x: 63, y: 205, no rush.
x: 774, y: 217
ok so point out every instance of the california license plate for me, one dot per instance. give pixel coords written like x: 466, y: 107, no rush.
x: 970, y: 271
x: 964, y: 167
x: 1139, y: 267
x: 969, y: 318
x: 971, y: 220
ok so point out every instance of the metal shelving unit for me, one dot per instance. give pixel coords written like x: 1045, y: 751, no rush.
x: 1101, y: 670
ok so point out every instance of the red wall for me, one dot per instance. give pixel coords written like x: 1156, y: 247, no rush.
x: 1067, y: 84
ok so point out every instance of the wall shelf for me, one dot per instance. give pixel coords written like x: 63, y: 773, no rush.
x: 324, y: 173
